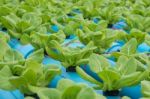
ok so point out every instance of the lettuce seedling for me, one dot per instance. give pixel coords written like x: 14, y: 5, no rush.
x: 134, y: 33
x: 89, y: 25
x: 17, y: 26
x: 67, y: 89
x: 102, y: 39
x: 33, y: 73
x: 89, y: 9
x: 113, y: 77
x: 9, y: 56
x: 18, y: 73
x: 110, y: 14
x: 130, y: 50
x: 41, y: 40
x: 138, y: 22
x: 140, y: 9
x: 70, y: 27
x: 69, y: 56
x: 14, y: 60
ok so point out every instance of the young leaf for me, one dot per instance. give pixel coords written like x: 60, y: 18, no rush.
x: 5, y: 74
x: 98, y: 63
x: 71, y: 92
x: 84, y: 75
x: 36, y: 56
x: 130, y: 47
x: 64, y: 84
x: 145, y: 88
x: 129, y: 67
x: 86, y: 93
x: 109, y: 77
x: 49, y: 93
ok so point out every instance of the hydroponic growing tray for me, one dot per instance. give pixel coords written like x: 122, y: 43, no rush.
x: 74, y: 49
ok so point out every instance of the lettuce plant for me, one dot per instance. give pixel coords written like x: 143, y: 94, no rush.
x: 102, y: 39
x: 110, y: 14
x: 14, y: 60
x: 70, y: 27
x: 69, y: 56
x: 134, y: 33
x: 92, y: 26
x: 18, y: 73
x: 130, y: 50
x: 145, y: 3
x: 17, y: 26
x: 89, y: 8
x: 138, y: 22
x: 113, y: 77
x: 140, y: 9
x: 41, y: 40
x: 32, y: 73
x: 67, y: 89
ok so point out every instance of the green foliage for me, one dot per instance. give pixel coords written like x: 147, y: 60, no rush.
x: 42, y: 40
x: 123, y: 74
x: 129, y: 49
x: 30, y: 21
x: 69, y: 56
x: 102, y: 39
x: 138, y: 22
x: 145, y: 89
x: 70, y: 91
x: 19, y: 73
x: 31, y: 73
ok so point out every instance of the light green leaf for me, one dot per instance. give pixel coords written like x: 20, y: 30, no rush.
x: 84, y: 75
x: 86, y: 93
x: 30, y: 76
x: 121, y: 62
x: 64, y: 84
x: 34, y: 65
x: 25, y: 39
x: 129, y: 67
x: 98, y: 63
x: 49, y: 93
x: 127, y: 80
x: 147, y: 39
x: 145, y: 88
x: 71, y: 92
x: 5, y: 74
x: 130, y: 47
x: 36, y: 56
x: 4, y: 47
x: 109, y: 77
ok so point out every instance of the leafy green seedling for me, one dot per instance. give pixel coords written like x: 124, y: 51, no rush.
x: 102, y: 39
x: 69, y: 56
x: 41, y: 40
x: 32, y: 74
x: 113, y: 77
x: 67, y: 89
